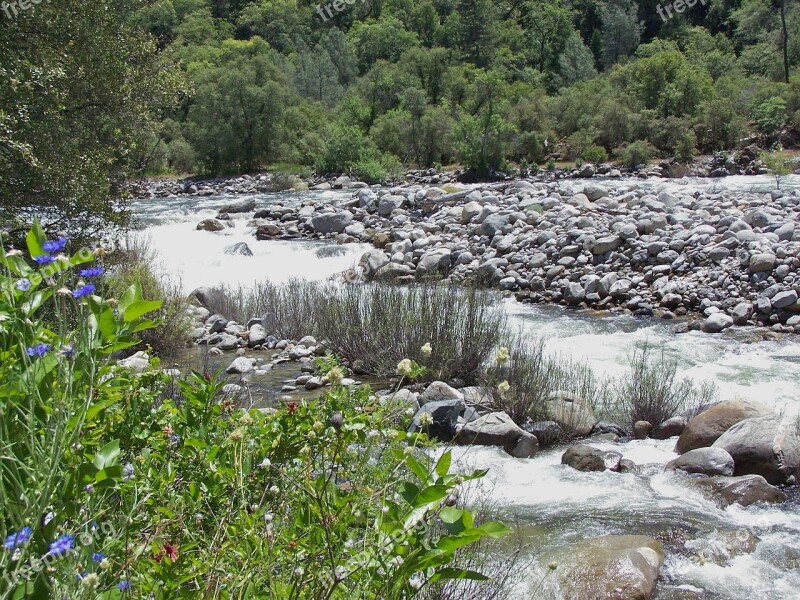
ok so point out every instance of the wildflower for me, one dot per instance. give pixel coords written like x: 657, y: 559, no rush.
x: 89, y: 489
x: 416, y: 581
x: 373, y: 434
x: 168, y: 430
x: 291, y: 407
x: 124, y: 585
x: 305, y: 451
x: 318, y: 426
x: 426, y: 419
x: 174, y: 439
x: 127, y: 472
x: 38, y: 350
x: 14, y: 252
x: 408, y: 450
x: 19, y: 538
x: 405, y: 368
x: 397, y: 561
x: 426, y: 350
x: 502, y: 355
x: 105, y: 564
x: 99, y: 252
x: 54, y: 245
x: 43, y: 259
x: 98, y: 557
x: 503, y: 387
x: 62, y: 258
x: 171, y: 551
x: 246, y: 419
x: 312, y: 435
x: 92, y: 272
x: 334, y: 376
x: 274, y: 490
x: 67, y: 352
x: 269, y: 517
x: 62, y: 545
x: 82, y: 291
x: 337, y: 420
x: 64, y: 292
x: 90, y: 581
x: 552, y: 566
x: 410, y: 412
x: 237, y: 435
x: 266, y: 463
x: 23, y: 285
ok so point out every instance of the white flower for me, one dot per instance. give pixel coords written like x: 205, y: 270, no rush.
x: 246, y: 419
x: 334, y: 376
x: 105, y: 564
x: 416, y: 581
x: 502, y: 355
x: 426, y: 419
x: 274, y: 490
x: 410, y: 412
x: 266, y: 463
x: 503, y: 387
x: 426, y: 350
x: 269, y: 517
x: 91, y: 581
x: 396, y: 561
x: 373, y: 434
x: 405, y: 368
x: 14, y: 252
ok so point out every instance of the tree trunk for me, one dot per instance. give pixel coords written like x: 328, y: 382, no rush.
x: 785, y: 42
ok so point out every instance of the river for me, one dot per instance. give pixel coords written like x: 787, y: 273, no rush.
x: 553, y: 505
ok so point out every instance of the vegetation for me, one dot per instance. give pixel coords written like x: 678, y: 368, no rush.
x: 117, y: 485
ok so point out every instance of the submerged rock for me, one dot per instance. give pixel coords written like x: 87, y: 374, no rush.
x: 619, y: 567
x: 588, y: 458
x: 744, y: 490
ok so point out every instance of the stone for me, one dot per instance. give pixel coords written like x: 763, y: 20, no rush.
x: 239, y: 206
x: 704, y: 429
x: 389, y: 203
x: 571, y: 412
x: 742, y: 312
x: 768, y: 446
x: 588, y: 458
x: 744, y: 490
x: 435, y: 262
x: 325, y: 223
x: 669, y: 428
x: 372, y: 261
x: 606, y: 244
x: 392, y: 271
x: 439, y: 390
x: 594, y: 192
x: 641, y: 429
x: 706, y: 461
x: 574, y: 293
x: 611, y: 567
x: 256, y: 335
x: 402, y: 396
x: 717, y: 323
x: 314, y: 383
x: 136, y: 363
x: 228, y: 342
x: 760, y: 263
x: 240, y: 249
x: 470, y: 211
x: 492, y: 224
x: 240, y: 366
x: 210, y: 225
x: 444, y: 416
x: 784, y: 299
x: 498, y: 429
x: 547, y: 432
x: 604, y: 427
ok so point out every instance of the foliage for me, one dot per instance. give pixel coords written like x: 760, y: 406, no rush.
x: 779, y: 166
x: 122, y: 484
x: 636, y: 153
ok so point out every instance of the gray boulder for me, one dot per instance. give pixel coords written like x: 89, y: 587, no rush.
x: 498, y: 429
x: 717, y: 322
x: 768, y: 446
x: 240, y: 249
x: 669, y: 428
x: 239, y: 206
x: 492, y: 224
x: 760, y: 263
x: 588, y: 458
x: 547, y: 432
x: 372, y: 261
x: 443, y: 416
x: 704, y: 429
x: 439, y: 390
x: 239, y: 366
x: 435, y: 262
x: 389, y: 203
x: 706, y: 461
x: 571, y: 412
x: 744, y: 490
x: 392, y: 271
x: 256, y: 335
x: 325, y: 223
x: 210, y: 225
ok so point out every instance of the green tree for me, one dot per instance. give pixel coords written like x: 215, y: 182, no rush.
x: 548, y: 25
x: 384, y: 39
x: 576, y: 62
x: 235, y: 123
x: 472, y: 28
x: 622, y: 30
x: 279, y: 22
x: 80, y: 92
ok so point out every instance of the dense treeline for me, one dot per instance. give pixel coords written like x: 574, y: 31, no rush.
x: 421, y: 82
x: 87, y: 98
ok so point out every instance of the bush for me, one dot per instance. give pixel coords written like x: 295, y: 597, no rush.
x: 635, y: 154
x: 595, y: 154
x: 685, y: 146
x: 133, y: 264
x: 651, y: 390
x: 770, y: 115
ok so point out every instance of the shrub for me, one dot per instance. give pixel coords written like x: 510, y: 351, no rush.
x: 652, y: 391
x: 780, y: 167
x: 133, y: 264
x: 635, y: 154
x: 685, y: 146
x: 595, y: 154
x: 770, y: 115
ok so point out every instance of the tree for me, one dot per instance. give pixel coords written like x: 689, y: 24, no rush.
x: 576, y: 62
x: 471, y: 28
x: 80, y: 92
x: 235, y: 123
x: 548, y: 24
x: 621, y: 30
x: 314, y: 74
x: 279, y: 22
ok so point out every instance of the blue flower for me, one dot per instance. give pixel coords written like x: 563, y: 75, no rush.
x: 54, y: 245
x: 127, y: 472
x: 17, y: 539
x: 38, y: 350
x: 43, y: 259
x: 93, y: 272
x: 124, y: 585
x: 23, y: 285
x: 98, y: 556
x: 62, y: 545
x: 87, y: 289
x: 67, y: 352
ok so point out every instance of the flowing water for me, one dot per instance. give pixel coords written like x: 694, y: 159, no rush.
x: 710, y: 553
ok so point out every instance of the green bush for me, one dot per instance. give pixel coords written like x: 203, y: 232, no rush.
x: 770, y: 115
x: 635, y: 154
x: 594, y: 154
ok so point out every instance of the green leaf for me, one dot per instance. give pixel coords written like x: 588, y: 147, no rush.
x: 35, y: 239
x: 139, y: 308
x: 494, y: 529
x: 450, y: 573
x: 432, y: 494
x: 107, y: 456
x: 454, y: 542
x: 131, y: 295
x: 107, y: 323
x: 443, y: 465
x: 408, y: 491
x: 417, y: 468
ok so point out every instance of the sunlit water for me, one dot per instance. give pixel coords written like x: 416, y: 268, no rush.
x: 554, y: 505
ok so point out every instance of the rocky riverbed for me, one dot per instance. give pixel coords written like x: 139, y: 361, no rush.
x: 722, y: 258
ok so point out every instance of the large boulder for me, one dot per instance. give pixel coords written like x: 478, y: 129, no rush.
x: 389, y: 203
x: 498, y: 429
x: 325, y: 223
x: 239, y: 206
x: 706, y: 461
x: 618, y: 567
x: 392, y: 271
x: 588, y: 458
x: 744, y: 490
x: 768, y: 446
x: 669, y: 428
x: 439, y: 390
x: 372, y: 261
x: 438, y: 419
x: 210, y: 225
x: 240, y: 366
x: 572, y: 412
x: 704, y: 429
x: 547, y: 432
x: 434, y: 263
x: 717, y: 322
